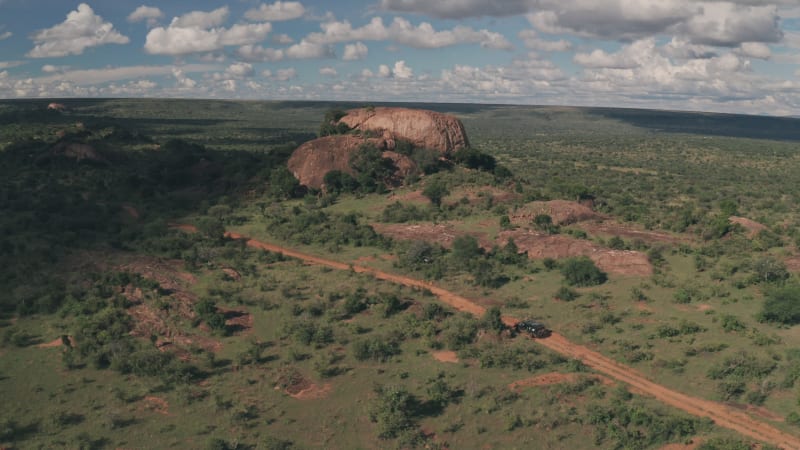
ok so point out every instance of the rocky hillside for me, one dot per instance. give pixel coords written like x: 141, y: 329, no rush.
x: 381, y: 128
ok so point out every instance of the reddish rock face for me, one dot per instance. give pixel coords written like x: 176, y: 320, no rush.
x: 312, y: 160
x: 425, y: 129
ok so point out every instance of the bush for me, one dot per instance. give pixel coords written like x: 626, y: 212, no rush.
x: 782, y: 305
x: 492, y: 320
x: 566, y: 294
x: 582, y: 272
x: 435, y: 190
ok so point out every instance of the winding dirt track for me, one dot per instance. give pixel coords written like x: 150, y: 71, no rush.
x: 722, y: 415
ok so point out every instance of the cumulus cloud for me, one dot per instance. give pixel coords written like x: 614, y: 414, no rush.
x: 240, y: 70
x: 149, y: 13
x: 5, y: 35
x: 754, y: 50
x: 534, y: 42
x: 328, y: 71
x: 459, y: 9
x: 308, y: 50
x: 284, y: 39
x: 353, y: 52
x: 200, y: 32
x: 10, y: 64
x: 49, y: 68
x: 275, y: 12
x: 257, y: 53
x: 404, y: 32
x: 384, y: 71
x: 97, y: 76
x: 729, y: 25
x: 286, y: 74
x: 82, y: 29
x: 401, y: 71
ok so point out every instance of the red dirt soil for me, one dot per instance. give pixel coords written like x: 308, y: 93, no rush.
x: 793, y: 263
x: 537, y: 245
x: 157, y: 405
x: 563, y: 212
x: 723, y: 415
x: 752, y: 227
x: 445, y: 356
x: 630, y: 232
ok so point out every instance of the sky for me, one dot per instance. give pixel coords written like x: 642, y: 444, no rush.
x: 737, y: 56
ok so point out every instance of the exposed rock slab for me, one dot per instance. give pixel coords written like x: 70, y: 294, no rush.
x: 424, y: 129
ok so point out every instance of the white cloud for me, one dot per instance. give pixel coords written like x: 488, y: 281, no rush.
x: 404, y: 32
x: 754, y: 50
x: 275, y: 12
x: 98, y: 76
x: 384, y: 71
x: 328, y: 72
x: 82, y: 29
x: 286, y: 74
x: 307, y: 50
x: 201, y: 19
x: 200, y: 32
x: 401, y: 71
x: 10, y: 64
x: 534, y: 42
x: 366, y: 73
x: 149, y: 13
x: 184, y: 82
x: 726, y: 24
x: 353, y: 52
x: 284, y: 39
x: 459, y: 9
x: 240, y: 70
x: 5, y: 35
x: 49, y: 68
x: 259, y: 54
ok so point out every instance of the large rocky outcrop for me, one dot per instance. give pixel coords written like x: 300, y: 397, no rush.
x: 312, y: 160
x: 425, y: 129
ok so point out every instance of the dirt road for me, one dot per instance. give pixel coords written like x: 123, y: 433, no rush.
x: 722, y: 415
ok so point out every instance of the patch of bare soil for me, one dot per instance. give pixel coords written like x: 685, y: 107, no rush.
x: 631, y: 232
x: 692, y: 445
x: 704, y: 307
x: 232, y: 274
x: 758, y: 411
x: 156, y: 405
x: 752, y: 227
x: 643, y: 306
x: 447, y: 356
x: 441, y: 233
x: 555, y: 378
x: 540, y: 246
x: 59, y: 342
x: 237, y: 321
x: 792, y: 263
x: 722, y: 415
x: 563, y: 212
x: 314, y: 392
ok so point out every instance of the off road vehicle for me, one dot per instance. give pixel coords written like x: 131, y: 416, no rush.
x: 533, y: 328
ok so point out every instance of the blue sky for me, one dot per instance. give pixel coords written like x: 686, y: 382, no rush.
x: 726, y: 56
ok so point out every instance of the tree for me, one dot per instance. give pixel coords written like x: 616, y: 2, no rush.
x: 492, y: 320
x: 545, y: 223
x: 331, y: 125
x: 782, y: 305
x: 435, y: 190
x: 373, y: 171
x: 465, y: 251
x: 337, y: 182
x: 582, y: 272
x: 282, y: 183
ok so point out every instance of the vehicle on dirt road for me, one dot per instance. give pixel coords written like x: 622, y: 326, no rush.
x: 533, y: 328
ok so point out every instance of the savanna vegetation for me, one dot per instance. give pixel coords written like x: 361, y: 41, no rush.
x: 129, y: 319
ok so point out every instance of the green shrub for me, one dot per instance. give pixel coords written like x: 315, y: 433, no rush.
x: 582, y: 272
x: 782, y: 305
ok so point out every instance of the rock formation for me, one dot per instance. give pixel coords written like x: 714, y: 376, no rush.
x: 424, y: 129
x: 382, y: 128
x: 312, y: 160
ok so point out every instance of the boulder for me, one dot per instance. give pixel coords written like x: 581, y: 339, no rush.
x: 424, y: 129
x: 312, y: 160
